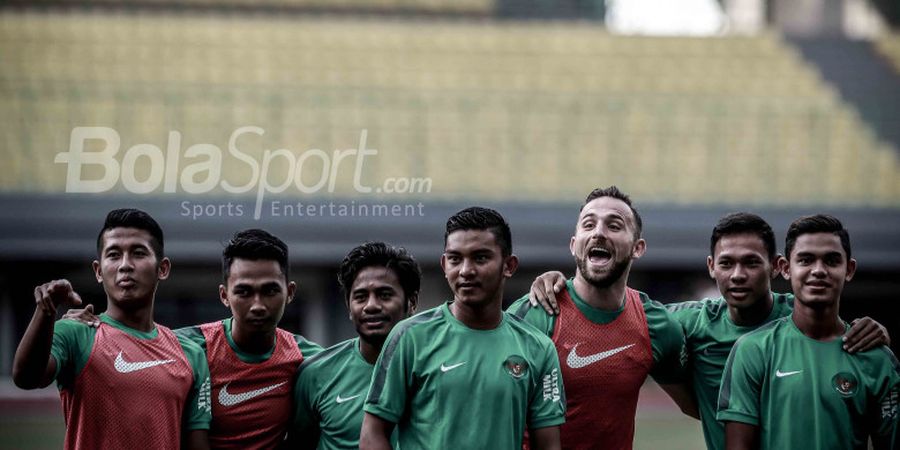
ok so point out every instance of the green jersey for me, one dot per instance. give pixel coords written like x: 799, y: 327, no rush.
x: 709, y: 335
x: 329, y: 395
x: 666, y: 336
x: 440, y: 381
x: 804, y: 393
x: 73, y: 343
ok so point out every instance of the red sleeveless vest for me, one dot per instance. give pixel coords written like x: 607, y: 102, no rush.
x: 130, y: 394
x: 603, y: 368
x: 252, y: 403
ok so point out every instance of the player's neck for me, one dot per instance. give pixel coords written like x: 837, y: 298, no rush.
x: 256, y: 343
x: 609, y: 298
x: 820, y: 323
x: 486, y: 316
x: 140, y: 319
x: 752, y: 315
x: 369, y: 351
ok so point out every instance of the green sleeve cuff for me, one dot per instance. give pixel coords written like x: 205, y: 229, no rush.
x: 381, y: 412
x: 547, y: 422
x: 735, y: 416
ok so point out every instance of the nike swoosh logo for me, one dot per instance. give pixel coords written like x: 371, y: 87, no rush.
x: 227, y: 399
x: 123, y: 366
x: 576, y: 362
x: 781, y: 374
x: 340, y: 399
x: 451, y: 367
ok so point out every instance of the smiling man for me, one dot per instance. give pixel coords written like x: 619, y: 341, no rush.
x: 128, y: 382
x: 609, y: 336
x: 789, y: 384
x: 466, y: 374
x: 381, y: 287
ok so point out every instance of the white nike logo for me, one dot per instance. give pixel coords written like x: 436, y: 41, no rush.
x: 449, y: 368
x: 123, y: 366
x: 340, y: 399
x: 781, y: 374
x: 576, y: 362
x: 227, y: 399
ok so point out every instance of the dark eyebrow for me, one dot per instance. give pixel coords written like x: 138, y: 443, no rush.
x: 250, y: 286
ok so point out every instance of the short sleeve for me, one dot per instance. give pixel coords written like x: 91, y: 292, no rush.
x: 198, y: 409
x: 391, y: 381
x: 534, y: 316
x: 548, y: 401
x: 193, y: 334
x: 739, y: 395
x: 667, y: 344
x: 307, y: 348
x: 686, y: 314
x: 305, y: 421
x: 885, y: 419
x: 71, y: 347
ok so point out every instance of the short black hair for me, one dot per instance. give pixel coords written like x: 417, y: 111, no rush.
x: 740, y: 223
x: 819, y: 223
x: 478, y: 218
x: 254, y: 244
x: 134, y: 218
x: 614, y: 192
x: 380, y: 254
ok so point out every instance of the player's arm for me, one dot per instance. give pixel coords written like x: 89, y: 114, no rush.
x: 197, y: 414
x: 375, y: 433
x: 739, y: 395
x: 547, y: 405
x: 884, y: 412
x: 669, y: 349
x: 686, y: 314
x: 196, y: 440
x: 33, y: 365
x: 304, y: 431
x: 544, y: 289
x: 683, y: 395
x: 866, y: 334
x: 390, y: 395
x: 741, y: 436
x: 546, y: 438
